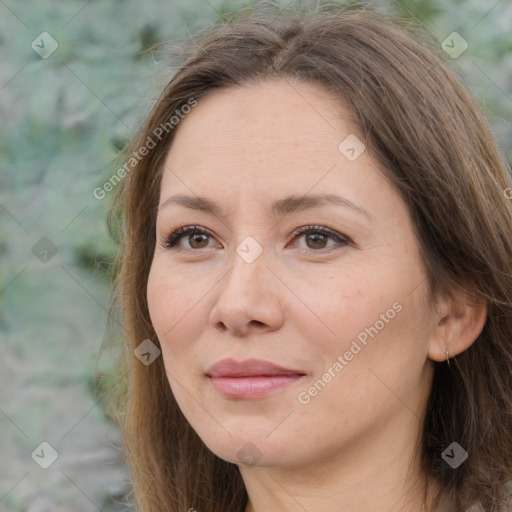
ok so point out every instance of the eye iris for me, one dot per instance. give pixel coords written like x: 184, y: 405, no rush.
x: 194, y: 236
x: 318, y: 237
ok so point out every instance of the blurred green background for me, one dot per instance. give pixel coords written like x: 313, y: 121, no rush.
x: 64, y: 119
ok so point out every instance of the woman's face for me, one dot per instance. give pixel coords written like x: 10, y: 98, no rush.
x: 339, y: 309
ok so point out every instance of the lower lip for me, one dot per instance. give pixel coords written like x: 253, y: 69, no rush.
x: 252, y: 387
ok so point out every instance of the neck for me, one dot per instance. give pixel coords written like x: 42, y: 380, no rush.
x: 381, y: 474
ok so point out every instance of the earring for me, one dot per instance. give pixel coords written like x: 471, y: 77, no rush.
x: 447, y: 354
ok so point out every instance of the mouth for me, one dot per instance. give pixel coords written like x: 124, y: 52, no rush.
x: 252, y: 387
x: 252, y: 378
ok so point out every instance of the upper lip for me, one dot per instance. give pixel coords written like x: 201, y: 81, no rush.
x: 248, y: 368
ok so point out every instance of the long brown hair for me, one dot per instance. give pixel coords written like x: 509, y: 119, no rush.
x: 429, y: 135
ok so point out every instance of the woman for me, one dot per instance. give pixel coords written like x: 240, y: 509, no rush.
x: 315, y: 277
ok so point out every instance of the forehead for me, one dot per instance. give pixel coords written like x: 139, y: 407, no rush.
x: 278, y: 131
x: 246, y: 149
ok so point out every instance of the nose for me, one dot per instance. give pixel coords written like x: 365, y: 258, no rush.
x: 248, y: 299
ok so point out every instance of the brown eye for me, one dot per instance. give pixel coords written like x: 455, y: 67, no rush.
x: 317, y: 237
x: 197, y: 238
x: 318, y: 240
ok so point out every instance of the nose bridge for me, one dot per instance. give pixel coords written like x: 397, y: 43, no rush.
x: 248, y: 264
x: 245, y: 296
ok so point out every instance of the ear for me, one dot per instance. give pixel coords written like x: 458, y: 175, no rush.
x: 458, y: 323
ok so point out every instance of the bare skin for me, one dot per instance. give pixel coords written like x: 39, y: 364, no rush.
x: 301, y: 304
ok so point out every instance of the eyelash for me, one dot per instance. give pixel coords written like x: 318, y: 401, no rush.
x: 175, y: 236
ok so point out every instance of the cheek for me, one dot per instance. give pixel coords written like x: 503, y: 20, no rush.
x: 173, y: 308
x: 158, y: 300
x: 340, y: 307
x: 371, y: 323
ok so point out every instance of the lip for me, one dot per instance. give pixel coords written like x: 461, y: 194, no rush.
x: 249, y: 368
x: 252, y: 378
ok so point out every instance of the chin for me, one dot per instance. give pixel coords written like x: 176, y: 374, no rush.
x: 251, y: 450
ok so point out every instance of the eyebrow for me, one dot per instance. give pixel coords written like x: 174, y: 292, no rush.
x: 280, y: 207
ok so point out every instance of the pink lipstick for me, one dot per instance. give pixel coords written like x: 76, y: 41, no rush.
x: 252, y: 378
